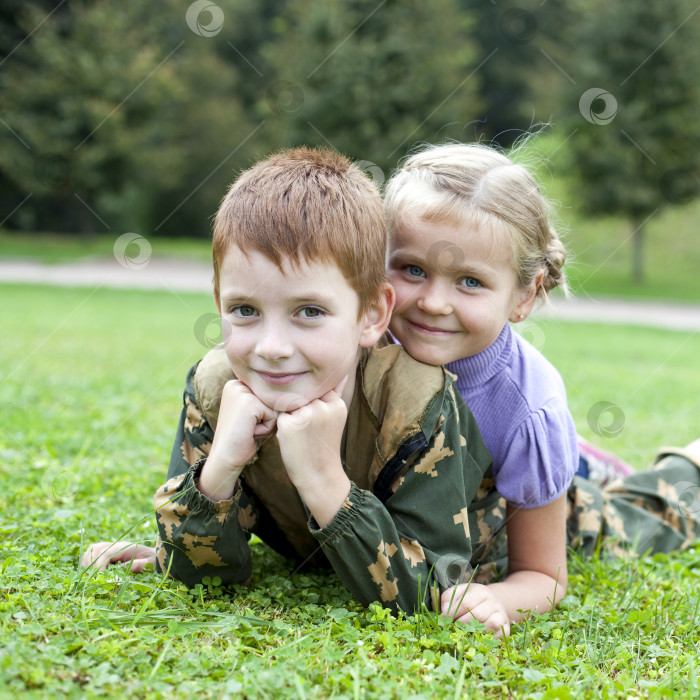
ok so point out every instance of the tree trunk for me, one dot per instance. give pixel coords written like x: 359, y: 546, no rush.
x: 87, y: 219
x: 638, y: 250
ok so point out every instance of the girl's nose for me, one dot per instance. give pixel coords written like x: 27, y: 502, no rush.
x: 433, y: 299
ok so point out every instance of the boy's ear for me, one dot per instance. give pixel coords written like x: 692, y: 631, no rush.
x: 526, y: 300
x: 217, y: 301
x: 376, y: 318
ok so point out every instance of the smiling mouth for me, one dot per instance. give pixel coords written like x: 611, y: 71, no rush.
x: 279, y: 378
x: 430, y: 330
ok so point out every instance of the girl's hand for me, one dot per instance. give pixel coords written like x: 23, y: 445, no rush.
x: 474, y: 601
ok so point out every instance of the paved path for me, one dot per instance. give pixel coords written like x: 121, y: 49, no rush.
x: 182, y: 275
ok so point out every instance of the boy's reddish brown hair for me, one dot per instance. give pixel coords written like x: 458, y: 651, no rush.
x: 307, y: 205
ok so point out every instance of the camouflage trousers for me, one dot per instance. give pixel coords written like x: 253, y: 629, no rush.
x: 652, y: 511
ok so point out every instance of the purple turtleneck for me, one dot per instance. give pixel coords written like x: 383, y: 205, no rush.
x: 519, y: 402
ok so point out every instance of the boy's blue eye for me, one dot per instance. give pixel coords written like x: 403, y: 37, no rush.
x: 243, y: 311
x: 310, y: 312
x: 470, y: 282
x: 415, y: 271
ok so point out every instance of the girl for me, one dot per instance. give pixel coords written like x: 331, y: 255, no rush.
x: 472, y: 249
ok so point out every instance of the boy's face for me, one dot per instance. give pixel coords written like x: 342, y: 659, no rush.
x: 291, y: 334
x: 455, y: 288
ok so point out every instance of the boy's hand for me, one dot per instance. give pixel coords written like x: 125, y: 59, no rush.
x: 102, y: 554
x: 309, y: 440
x: 243, y: 421
x: 475, y: 601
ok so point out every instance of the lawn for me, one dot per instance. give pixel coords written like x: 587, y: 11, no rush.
x: 91, y: 393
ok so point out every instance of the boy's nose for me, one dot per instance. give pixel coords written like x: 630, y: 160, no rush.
x: 273, y: 345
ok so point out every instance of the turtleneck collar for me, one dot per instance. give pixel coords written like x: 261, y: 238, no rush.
x: 478, y: 369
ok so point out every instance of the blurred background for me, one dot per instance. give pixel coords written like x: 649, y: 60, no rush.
x: 134, y: 117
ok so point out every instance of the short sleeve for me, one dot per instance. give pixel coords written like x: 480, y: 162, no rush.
x: 539, y: 461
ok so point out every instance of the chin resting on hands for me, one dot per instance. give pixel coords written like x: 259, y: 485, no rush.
x: 474, y: 601
x: 310, y: 436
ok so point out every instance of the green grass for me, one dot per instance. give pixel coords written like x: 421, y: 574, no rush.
x: 54, y: 248
x: 90, y: 396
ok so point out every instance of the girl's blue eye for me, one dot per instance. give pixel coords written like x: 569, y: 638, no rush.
x: 415, y: 271
x: 243, y: 311
x: 470, y: 282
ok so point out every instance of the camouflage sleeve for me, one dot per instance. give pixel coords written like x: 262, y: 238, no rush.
x: 197, y: 537
x: 396, y: 552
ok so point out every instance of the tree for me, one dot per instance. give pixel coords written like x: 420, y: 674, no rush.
x: 636, y: 129
x: 114, y: 113
x: 370, y: 79
x: 514, y: 45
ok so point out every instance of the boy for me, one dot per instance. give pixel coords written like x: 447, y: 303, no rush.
x: 297, y: 429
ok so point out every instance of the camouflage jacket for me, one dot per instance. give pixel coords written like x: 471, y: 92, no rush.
x: 421, y: 489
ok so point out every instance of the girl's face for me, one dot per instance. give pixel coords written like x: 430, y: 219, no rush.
x: 455, y: 289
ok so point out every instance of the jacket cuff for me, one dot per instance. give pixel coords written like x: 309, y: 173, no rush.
x: 197, y: 501
x: 349, y: 511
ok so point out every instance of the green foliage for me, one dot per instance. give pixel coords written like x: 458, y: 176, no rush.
x: 99, y: 118
x: 364, y: 81
x: 89, y: 398
x: 122, y: 117
x: 515, y: 77
x: 636, y: 132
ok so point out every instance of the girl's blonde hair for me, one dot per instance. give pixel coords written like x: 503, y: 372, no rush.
x: 478, y: 185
